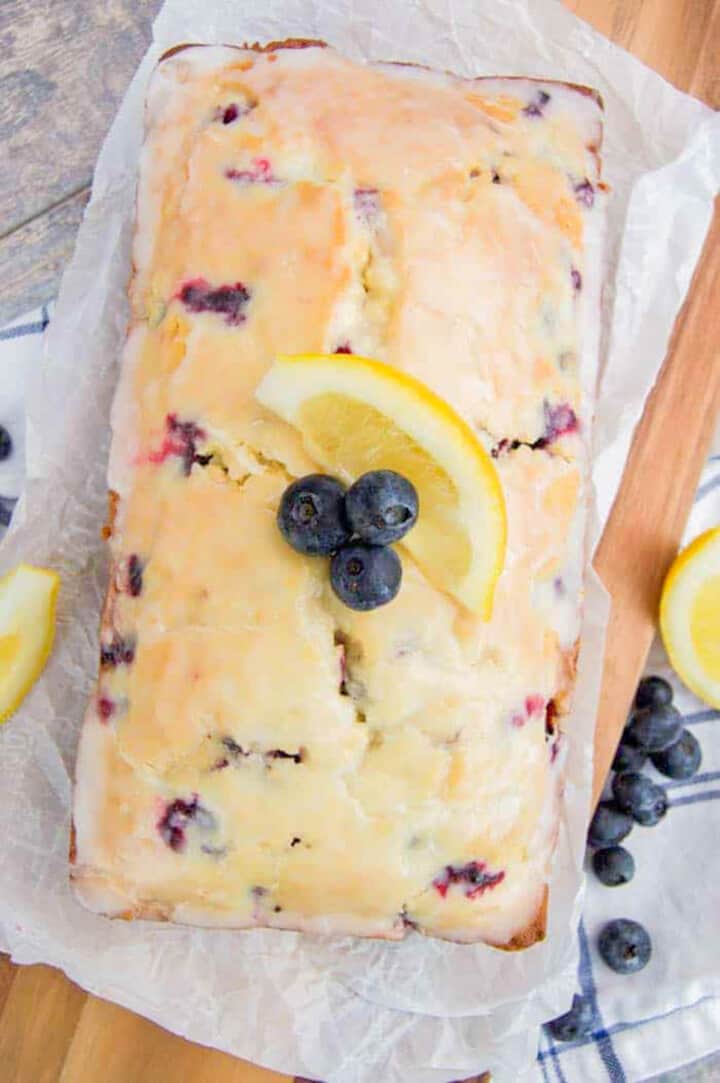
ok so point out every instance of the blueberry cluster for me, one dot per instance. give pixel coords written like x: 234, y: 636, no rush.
x: 318, y: 516
x: 654, y: 731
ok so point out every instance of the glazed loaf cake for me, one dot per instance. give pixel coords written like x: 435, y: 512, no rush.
x: 255, y: 753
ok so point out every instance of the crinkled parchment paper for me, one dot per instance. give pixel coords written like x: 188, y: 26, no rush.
x: 342, y: 1010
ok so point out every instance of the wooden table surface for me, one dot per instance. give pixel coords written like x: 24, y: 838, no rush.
x: 64, y: 65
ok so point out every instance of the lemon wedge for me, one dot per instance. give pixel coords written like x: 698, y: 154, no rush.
x: 27, y: 629
x: 355, y: 414
x: 690, y: 616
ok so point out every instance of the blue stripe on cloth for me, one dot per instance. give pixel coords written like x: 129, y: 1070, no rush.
x: 614, y: 1068
x: 701, y: 716
x: 555, y: 1061
x: 541, y: 1061
x: 708, y: 487
x: 696, y: 780
x: 620, y: 1028
x: 695, y: 798
x: 24, y: 329
x: 552, y: 1053
x: 599, y: 1035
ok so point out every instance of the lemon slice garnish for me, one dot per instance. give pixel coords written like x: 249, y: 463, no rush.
x: 690, y: 616
x: 27, y: 629
x: 355, y: 414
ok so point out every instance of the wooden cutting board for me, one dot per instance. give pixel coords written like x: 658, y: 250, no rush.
x: 51, y: 1030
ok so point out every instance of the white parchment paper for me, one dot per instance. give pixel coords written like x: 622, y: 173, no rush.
x: 341, y: 1010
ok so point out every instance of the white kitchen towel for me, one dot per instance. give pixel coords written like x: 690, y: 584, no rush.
x: 646, y: 1023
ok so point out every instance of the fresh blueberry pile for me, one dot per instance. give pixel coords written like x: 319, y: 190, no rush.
x: 654, y: 732
x: 318, y: 516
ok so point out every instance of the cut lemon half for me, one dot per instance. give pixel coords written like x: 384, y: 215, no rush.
x: 27, y: 630
x: 355, y: 414
x: 690, y: 616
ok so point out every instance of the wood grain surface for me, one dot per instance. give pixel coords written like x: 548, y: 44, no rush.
x: 63, y: 67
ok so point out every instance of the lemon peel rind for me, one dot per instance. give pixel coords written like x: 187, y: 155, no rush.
x: 36, y: 664
x: 675, y: 610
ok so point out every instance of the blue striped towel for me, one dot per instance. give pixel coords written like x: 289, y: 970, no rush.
x: 669, y: 1013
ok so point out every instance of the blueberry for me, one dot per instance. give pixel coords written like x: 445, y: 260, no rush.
x: 228, y: 114
x: 629, y: 757
x: 228, y: 300
x: 613, y: 865
x: 381, y: 507
x: 640, y: 796
x: 7, y: 504
x: 135, y: 575
x: 535, y: 107
x: 366, y: 203
x: 311, y: 516
x: 575, y: 1024
x: 560, y: 420
x: 585, y: 193
x: 181, y: 440
x: 680, y: 760
x: 624, y: 945
x: 648, y: 817
x: 609, y: 825
x: 231, y: 746
x: 178, y: 815
x: 653, y: 692
x: 106, y: 708
x: 5, y: 444
x: 118, y: 652
x: 365, y: 576
x: 281, y: 754
x: 475, y: 877
x: 629, y: 789
x: 654, y: 728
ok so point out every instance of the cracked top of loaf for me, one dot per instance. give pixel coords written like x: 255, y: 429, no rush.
x: 254, y: 753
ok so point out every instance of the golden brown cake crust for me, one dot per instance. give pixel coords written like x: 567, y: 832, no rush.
x: 257, y: 47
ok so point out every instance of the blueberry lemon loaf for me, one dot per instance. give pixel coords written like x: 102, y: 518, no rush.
x: 256, y: 753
